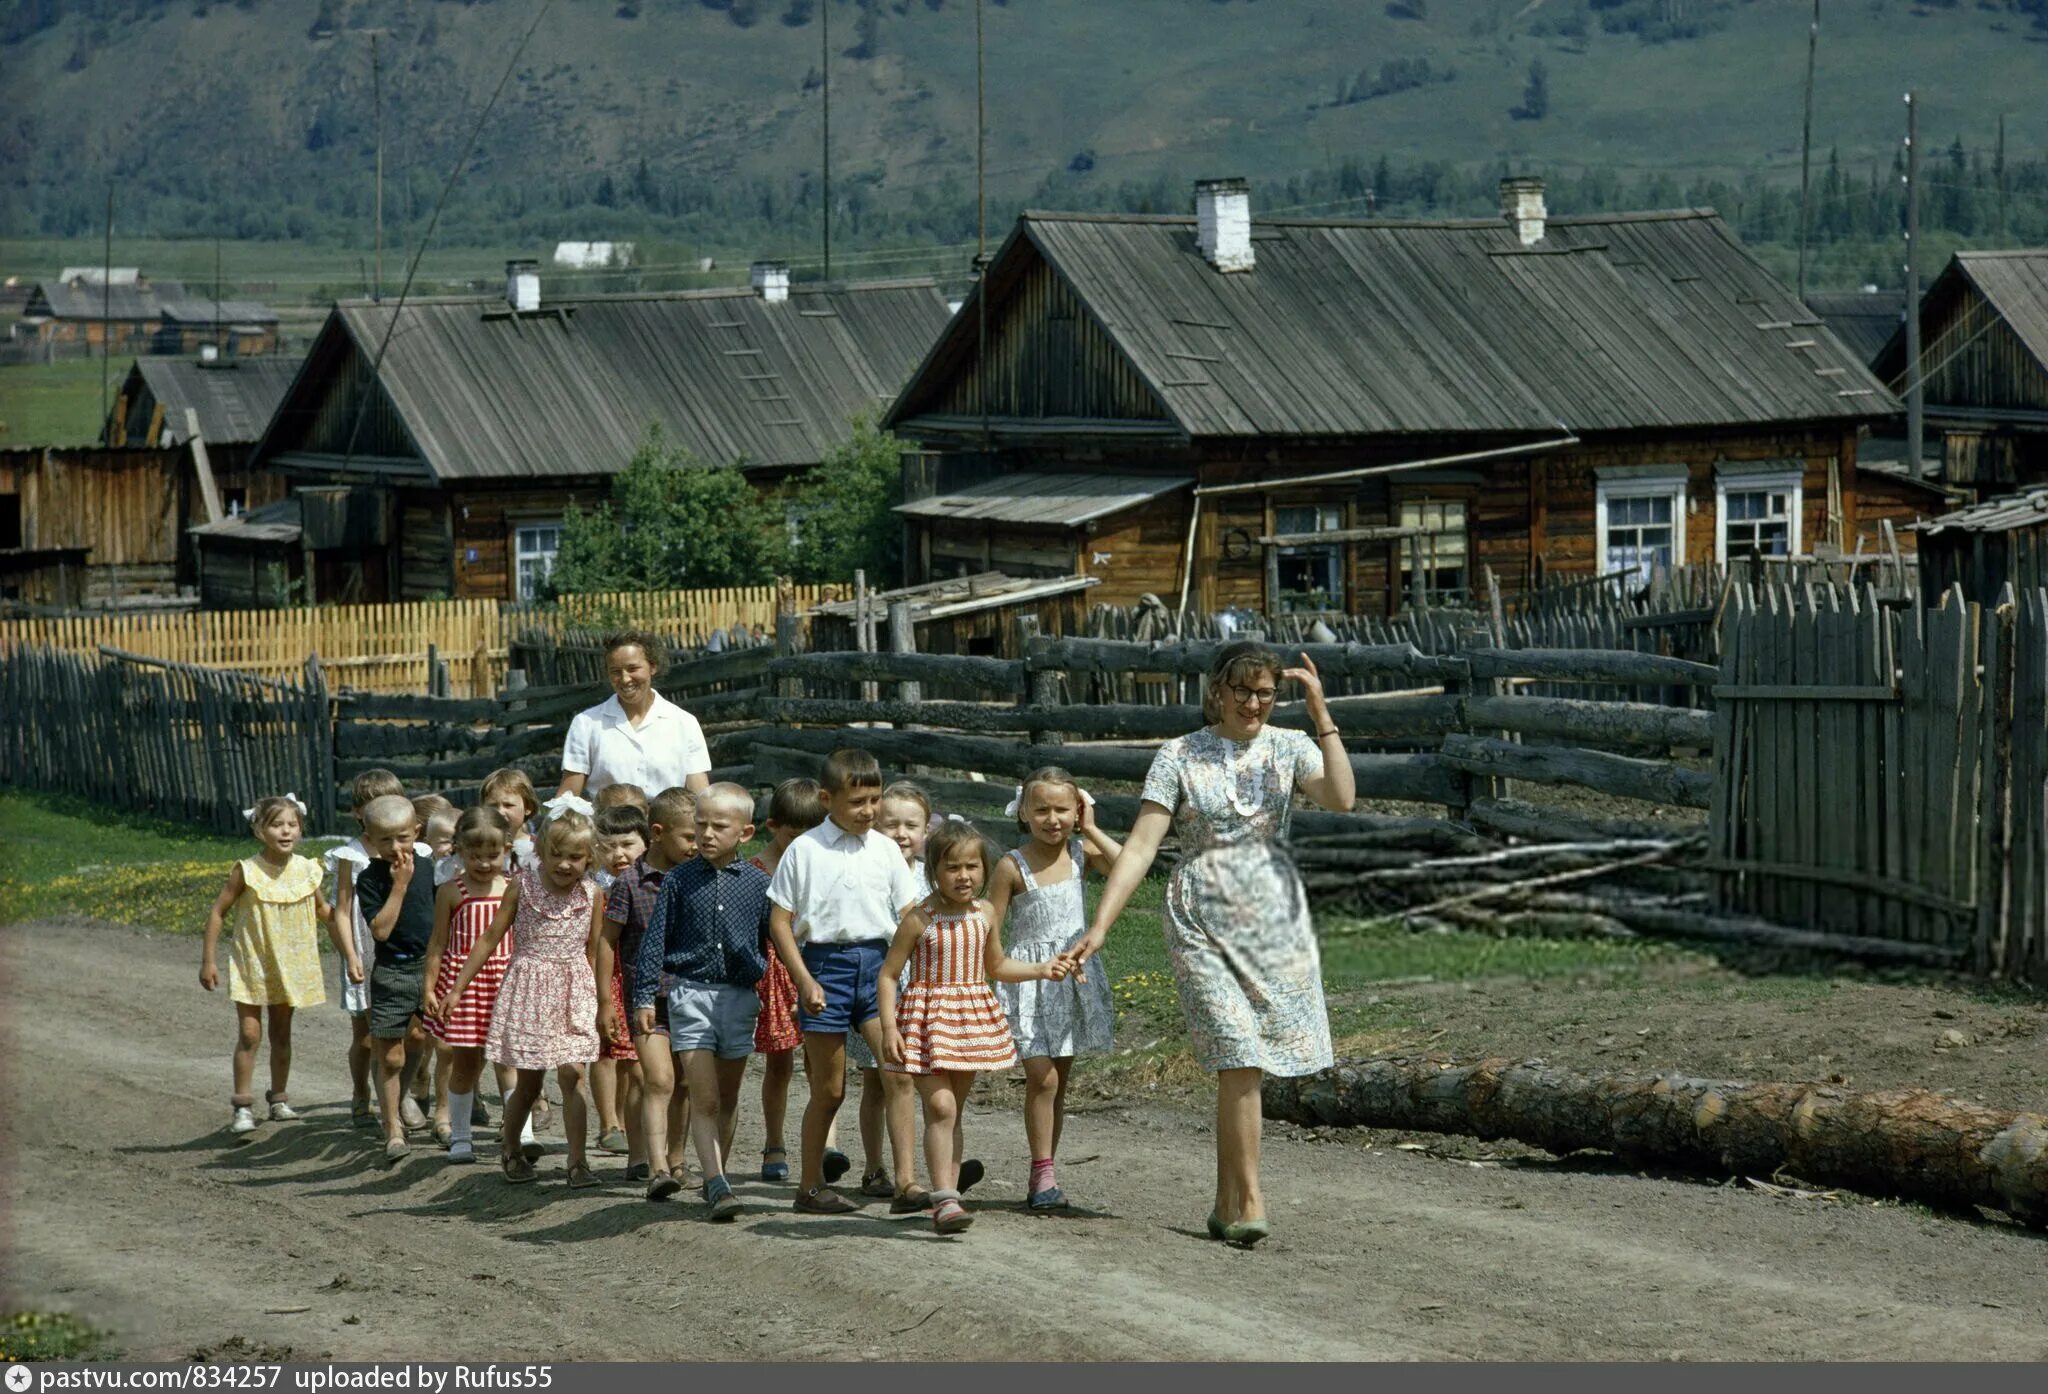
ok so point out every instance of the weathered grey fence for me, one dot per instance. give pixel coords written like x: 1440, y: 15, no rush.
x: 1882, y: 769
x: 184, y: 742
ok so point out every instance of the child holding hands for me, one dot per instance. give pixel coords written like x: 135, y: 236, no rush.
x: 396, y: 893
x: 274, y: 954
x: 947, y: 1025
x: 464, y: 908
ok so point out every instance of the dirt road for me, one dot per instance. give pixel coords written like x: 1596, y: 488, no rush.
x: 128, y: 1204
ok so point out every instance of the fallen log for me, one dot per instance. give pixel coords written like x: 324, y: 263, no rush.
x: 1911, y: 1143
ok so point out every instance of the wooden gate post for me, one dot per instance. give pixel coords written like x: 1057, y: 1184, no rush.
x: 318, y: 729
x: 903, y: 639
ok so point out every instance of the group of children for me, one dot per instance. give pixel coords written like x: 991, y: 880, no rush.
x: 629, y: 947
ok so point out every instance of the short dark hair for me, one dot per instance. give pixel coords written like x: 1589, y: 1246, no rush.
x: 850, y: 769
x: 672, y: 806
x: 795, y: 804
x: 482, y: 818
x: 621, y: 819
x: 648, y: 644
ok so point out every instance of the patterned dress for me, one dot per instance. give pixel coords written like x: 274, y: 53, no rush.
x: 274, y: 947
x: 775, y: 1029
x: 619, y: 1050
x: 546, y: 1013
x: 355, y: 997
x: 948, y: 1017
x: 1055, y: 1018
x: 469, y: 1024
x: 1237, y: 924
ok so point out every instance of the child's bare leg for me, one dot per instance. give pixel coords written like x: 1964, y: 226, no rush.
x: 701, y: 1078
x: 657, y: 1087
x: 777, y: 1068
x: 1041, y: 1092
x: 390, y: 1056
x: 575, y: 1117
x: 825, y: 1064
x: 678, y: 1127
x: 508, y: 1080
x: 899, y: 1103
x: 280, y: 1052
x: 519, y: 1101
x: 359, y: 1057
x: 874, y: 1115
x: 941, y: 1120
x: 417, y: 1050
x: 630, y: 1087
x: 248, y: 1040
x: 465, y: 1069
x: 444, y: 1073
x: 604, y: 1092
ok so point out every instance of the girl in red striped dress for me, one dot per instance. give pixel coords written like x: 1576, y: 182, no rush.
x: 948, y: 1025
x: 463, y: 910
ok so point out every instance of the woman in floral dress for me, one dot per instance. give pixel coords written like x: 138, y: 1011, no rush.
x: 1237, y: 924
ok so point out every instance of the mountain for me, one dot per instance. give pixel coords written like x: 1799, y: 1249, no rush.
x: 256, y: 118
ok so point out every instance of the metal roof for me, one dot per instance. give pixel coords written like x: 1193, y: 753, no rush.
x: 94, y: 300
x: 1864, y: 320
x: 570, y: 389
x: 2007, y: 513
x: 1350, y: 328
x: 1049, y: 500
x: 234, y: 396
x: 281, y: 521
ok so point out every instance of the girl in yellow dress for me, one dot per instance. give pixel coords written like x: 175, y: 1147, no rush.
x: 273, y: 952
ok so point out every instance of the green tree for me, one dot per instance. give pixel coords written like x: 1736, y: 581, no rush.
x: 672, y: 523
x: 843, y: 517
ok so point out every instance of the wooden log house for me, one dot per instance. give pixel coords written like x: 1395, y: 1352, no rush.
x: 86, y: 310
x: 1303, y: 414
x: 1984, y: 360
x: 447, y: 451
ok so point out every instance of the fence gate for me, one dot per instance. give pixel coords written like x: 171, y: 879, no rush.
x: 1865, y: 777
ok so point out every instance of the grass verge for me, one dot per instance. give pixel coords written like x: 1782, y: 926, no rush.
x: 28, y: 1336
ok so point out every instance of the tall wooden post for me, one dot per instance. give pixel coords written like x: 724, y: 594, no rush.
x: 1916, y: 406
x: 903, y: 639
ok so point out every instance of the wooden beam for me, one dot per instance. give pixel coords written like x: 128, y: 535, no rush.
x: 1385, y: 533
x: 202, y: 469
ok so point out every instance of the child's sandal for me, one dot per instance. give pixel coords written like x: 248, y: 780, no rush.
x: 876, y: 1183
x: 444, y: 1133
x: 949, y: 1216
x: 581, y: 1178
x: 777, y: 1170
x: 517, y: 1169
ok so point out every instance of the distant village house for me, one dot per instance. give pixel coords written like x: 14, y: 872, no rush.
x: 88, y: 310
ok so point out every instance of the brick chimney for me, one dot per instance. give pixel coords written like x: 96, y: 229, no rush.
x: 1223, y: 223
x: 770, y: 280
x: 522, y: 285
x: 1521, y: 203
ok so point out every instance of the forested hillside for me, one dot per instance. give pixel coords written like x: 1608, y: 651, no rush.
x: 698, y: 121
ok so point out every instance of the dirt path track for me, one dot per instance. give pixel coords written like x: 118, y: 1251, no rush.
x: 127, y: 1203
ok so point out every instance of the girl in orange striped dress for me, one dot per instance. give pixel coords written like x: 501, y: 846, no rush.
x: 948, y: 1025
x: 463, y: 909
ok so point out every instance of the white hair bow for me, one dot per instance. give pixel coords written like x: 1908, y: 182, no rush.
x: 1016, y: 803
x: 249, y: 813
x: 572, y: 803
x: 952, y: 818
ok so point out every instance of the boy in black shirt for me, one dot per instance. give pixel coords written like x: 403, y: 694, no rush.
x: 396, y: 892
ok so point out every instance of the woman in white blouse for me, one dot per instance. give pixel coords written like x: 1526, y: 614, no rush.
x: 636, y: 736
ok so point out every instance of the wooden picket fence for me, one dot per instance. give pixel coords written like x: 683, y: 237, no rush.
x: 458, y: 647
x: 1883, y: 770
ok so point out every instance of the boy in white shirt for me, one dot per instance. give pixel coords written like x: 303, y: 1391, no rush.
x: 835, y: 902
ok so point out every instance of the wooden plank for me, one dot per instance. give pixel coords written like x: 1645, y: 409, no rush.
x: 1581, y: 665
x: 1003, y: 677
x: 1911, y: 809
x: 1619, y: 775
x: 1628, y: 724
x: 1835, y: 763
x: 1948, y: 651
x: 363, y: 706
x: 1802, y: 718
x: 1403, y: 661
x: 1804, y: 692
x: 1835, y: 876
x: 1993, y: 758
x: 1726, y: 801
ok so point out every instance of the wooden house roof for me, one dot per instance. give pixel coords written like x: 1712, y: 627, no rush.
x: 1864, y: 320
x: 2014, y: 284
x: 80, y: 298
x: 479, y: 392
x: 1065, y: 500
x: 233, y: 396
x: 1370, y: 328
x: 2007, y: 513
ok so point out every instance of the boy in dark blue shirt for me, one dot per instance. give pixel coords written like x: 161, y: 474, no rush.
x: 396, y: 893
x: 706, y: 933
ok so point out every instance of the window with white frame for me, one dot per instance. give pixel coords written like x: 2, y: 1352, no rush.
x: 1756, y: 511
x: 534, y: 546
x: 1309, y: 576
x: 1639, y: 522
x: 1440, y: 550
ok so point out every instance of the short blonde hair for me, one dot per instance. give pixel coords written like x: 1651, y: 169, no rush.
x: 565, y: 823
x: 389, y: 813
x: 613, y: 795
x: 733, y: 798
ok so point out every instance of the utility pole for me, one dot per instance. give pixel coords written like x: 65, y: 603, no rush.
x: 107, y: 312
x: 1998, y: 177
x: 377, y: 99
x: 1916, y: 416
x: 1806, y: 149
x: 219, y: 346
x: 825, y: 68
x: 980, y: 139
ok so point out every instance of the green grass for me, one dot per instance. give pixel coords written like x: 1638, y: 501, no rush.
x: 48, y: 1336
x: 55, y: 403
x: 63, y: 856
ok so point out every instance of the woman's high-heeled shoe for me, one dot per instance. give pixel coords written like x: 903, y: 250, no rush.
x: 1215, y: 1226
x: 1245, y: 1232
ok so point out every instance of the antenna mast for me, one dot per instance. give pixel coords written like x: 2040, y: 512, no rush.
x: 377, y: 97
x: 825, y: 68
x: 1806, y: 147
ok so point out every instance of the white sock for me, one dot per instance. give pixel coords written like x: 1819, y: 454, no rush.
x: 458, y: 1113
x: 526, y: 1130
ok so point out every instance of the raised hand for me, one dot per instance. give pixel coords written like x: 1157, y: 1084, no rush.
x: 1311, y: 682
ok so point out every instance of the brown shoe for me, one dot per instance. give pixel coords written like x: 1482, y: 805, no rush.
x: 517, y: 1169
x: 876, y: 1183
x: 581, y: 1178
x: 824, y: 1201
x: 662, y: 1185
x: 911, y: 1201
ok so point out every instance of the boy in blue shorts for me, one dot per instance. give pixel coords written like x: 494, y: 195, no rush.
x: 835, y: 902
x: 705, y: 936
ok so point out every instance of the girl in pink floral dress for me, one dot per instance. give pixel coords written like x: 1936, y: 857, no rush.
x: 545, y: 1017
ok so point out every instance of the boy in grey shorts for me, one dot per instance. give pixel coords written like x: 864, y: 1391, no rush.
x: 707, y: 932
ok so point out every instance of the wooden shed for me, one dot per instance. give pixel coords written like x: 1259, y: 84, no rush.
x: 964, y: 615
x: 1986, y: 547
x: 1984, y: 347
x: 253, y: 560
x: 1299, y: 414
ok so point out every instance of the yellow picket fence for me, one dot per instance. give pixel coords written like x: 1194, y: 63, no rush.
x: 384, y: 648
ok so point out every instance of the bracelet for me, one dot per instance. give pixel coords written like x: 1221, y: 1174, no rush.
x: 1325, y: 735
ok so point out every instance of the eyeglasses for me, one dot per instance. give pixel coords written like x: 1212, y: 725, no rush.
x: 1262, y: 695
